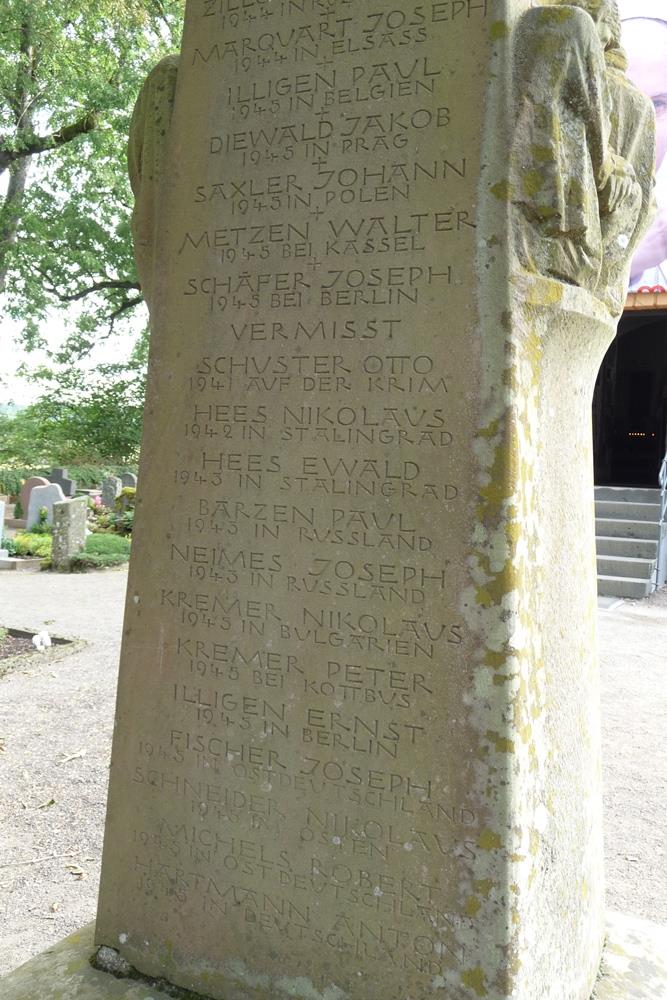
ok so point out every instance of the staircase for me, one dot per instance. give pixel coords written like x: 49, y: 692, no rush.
x: 627, y: 529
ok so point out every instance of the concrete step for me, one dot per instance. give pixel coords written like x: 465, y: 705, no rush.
x: 631, y: 511
x: 631, y: 548
x: 621, y: 586
x: 632, y: 494
x: 637, y: 569
x: 622, y: 528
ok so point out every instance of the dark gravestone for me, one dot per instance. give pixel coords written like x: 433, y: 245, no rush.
x: 61, y: 478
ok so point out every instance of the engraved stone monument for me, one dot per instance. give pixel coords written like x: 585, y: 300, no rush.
x: 385, y: 247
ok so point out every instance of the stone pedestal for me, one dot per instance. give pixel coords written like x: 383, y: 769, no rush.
x: 633, y: 968
x: 357, y: 748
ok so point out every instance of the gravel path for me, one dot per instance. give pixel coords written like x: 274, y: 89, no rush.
x: 56, y: 720
x: 633, y: 650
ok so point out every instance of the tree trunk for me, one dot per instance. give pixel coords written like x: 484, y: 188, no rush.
x: 19, y: 170
x: 10, y: 214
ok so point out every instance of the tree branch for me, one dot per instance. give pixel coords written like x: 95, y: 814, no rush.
x: 9, y: 215
x: 123, y: 308
x: 159, y: 6
x: 43, y: 143
x: 108, y: 285
x: 97, y: 286
x: 126, y: 306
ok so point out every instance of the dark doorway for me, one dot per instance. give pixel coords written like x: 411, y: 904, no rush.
x: 630, y: 403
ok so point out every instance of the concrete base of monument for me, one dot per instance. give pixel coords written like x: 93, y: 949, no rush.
x: 634, y: 968
x: 21, y: 565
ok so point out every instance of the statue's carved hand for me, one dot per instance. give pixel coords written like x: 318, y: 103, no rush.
x: 620, y: 190
x: 621, y: 186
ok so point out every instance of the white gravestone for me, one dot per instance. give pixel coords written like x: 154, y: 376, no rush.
x: 43, y: 496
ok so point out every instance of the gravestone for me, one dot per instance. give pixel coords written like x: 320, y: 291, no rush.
x: 61, y: 477
x: 43, y: 496
x: 27, y: 489
x: 111, y: 487
x: 128, y: 481
x: 357, y: 745
x: 69, y: 531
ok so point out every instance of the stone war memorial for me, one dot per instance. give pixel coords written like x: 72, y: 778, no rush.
x: 357, y: 748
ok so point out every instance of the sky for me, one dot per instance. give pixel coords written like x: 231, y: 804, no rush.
x: 12, y: 389
x: 19, y: 390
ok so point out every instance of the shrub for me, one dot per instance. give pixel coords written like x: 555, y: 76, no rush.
x: 90, y: 560
x: 8, y: 544
x: 122, y: 520
x: 11, y: 480
x: 124, y: 523
x: 18, y: 510
x: 99, y: 518
x: 42, y: 527
x: 102, y: 551
x: 126, y: 499
x: 30, y: 544
x: 101, y: 545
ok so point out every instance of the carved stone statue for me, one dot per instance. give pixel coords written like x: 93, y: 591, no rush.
x: 583, y: 150
x: 632, y: 136
x: 146, y: 159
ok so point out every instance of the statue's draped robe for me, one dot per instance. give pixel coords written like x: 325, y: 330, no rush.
x: 581, y: 128
x: 632, y: 136
x: 561, y: 158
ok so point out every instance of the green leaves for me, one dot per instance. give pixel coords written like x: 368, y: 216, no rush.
x: 102, y: 427
x: 70, y: 71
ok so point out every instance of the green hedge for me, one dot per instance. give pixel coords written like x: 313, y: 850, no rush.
x: 106, y: 545
x: 87, y: 477
x: 102, y: 551
x: 89, y: 560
